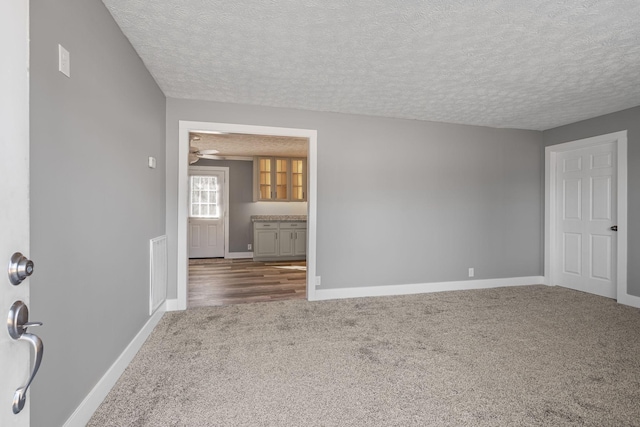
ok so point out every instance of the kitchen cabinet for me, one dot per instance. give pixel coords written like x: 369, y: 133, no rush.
x: 280, y: 179
x: 265, y: 239
x: 300, y: 243
x: 279, y: 240
x: 298, y: 180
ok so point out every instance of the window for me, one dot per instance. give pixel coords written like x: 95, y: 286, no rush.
x: 204, y: 201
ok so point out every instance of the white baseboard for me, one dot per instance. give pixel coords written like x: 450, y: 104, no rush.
x: 172, y: 305
x: 88, y: 406
x: 630, y: 300
x: 239, y: 255
x: 421, y: 288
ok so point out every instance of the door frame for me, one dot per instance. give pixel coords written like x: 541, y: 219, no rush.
x: 186, y: 127
x: 551, y: 246
x: 15, y: 356
x: 225, y: 199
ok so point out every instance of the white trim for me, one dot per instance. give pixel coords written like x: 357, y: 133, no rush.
x: 172, y: 305
x: 239, y: 255
x: 184, y: 127
x: 423, y: 288
x: 92, y: 401
x: 550, y: 249
x: 631, y: 300
x: 225, y: 169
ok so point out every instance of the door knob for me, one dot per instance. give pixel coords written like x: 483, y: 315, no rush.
x: 20, y: 267
x: 614, y: 228
x: 17, y: 323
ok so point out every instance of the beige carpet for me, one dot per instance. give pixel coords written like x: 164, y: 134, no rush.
x: 526, y: 356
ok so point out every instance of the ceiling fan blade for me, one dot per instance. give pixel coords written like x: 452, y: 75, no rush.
x: 210, y: 156
x: 208, y: 151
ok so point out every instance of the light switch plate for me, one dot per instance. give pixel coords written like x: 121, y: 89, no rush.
x: 64, y: 61
x: 152, y: 162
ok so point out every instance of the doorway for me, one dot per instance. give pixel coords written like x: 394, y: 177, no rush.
x: 185, y: 129
x: 586, y: 215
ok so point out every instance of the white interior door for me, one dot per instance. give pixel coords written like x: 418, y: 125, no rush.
x: 586, y: 212
x: 14, y: 196
x: 206, y: 214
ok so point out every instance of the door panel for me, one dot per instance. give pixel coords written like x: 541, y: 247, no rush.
x: 300, y: 242
x: 286, y: 242
x: 572, y: 253
x: 194, y: 237
x: 14, y: 198
x: 266, y: 243
x: 586, y: 199
x: 213, y: 236
x: 601, y: 257
x: 206, y: 239
x: 601, y: 198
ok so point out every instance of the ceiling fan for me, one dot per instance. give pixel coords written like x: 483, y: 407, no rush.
x: 196, y: 154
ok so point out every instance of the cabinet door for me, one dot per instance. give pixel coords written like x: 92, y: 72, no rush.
x: 281, y: 177
x: 265, y: 178
x: 266, y: 243
x: 298, y: 180
x: 286, y: 244
x: 300, y: 245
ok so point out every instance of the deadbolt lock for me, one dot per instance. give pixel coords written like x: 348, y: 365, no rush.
x: 20, y: 267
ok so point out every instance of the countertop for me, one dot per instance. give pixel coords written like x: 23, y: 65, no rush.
x: 281, y: 218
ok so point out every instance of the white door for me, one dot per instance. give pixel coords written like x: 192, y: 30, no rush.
x: 586, y: 212
x: 14, y: 196
x: 206, y: 214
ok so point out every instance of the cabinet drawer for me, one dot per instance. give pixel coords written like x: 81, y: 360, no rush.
x: 273, y: 225
x: 290, y: 225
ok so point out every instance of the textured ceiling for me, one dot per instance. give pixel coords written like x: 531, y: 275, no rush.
x: 243, y: 145
x: 527, y: 64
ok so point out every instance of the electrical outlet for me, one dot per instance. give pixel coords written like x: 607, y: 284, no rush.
x: 249, y: 247
x: 471, y: 272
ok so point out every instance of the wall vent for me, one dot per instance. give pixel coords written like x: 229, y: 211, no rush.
x: 157, y: 272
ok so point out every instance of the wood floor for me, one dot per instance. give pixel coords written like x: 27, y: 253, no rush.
x: 235, y: 281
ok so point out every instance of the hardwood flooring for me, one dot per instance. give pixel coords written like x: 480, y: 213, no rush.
x: 216, y: 281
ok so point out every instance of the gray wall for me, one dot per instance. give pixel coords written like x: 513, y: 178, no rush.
x: 242, y: 206
x: 94, y: 202
x: 402, y: 201
x: 623, y: 120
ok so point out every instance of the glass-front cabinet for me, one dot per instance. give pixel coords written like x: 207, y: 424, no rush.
x: 280, y: 179
x: 298, y: 180
x: 264, y: 178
